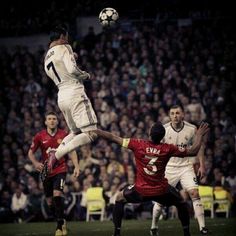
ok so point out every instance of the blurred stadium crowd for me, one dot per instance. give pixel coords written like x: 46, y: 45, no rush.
x: 137, y: 74
x: 39, y: 16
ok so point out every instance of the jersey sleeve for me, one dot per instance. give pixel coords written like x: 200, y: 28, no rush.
x: 71, y: 65
x: 35, y: 143
x: 131, y: 143
x: 177, y: 151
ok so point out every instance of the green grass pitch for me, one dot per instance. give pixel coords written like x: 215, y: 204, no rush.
x: 218, y: 227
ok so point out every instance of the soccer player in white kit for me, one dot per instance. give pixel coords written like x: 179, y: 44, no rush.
x: 60, y: 65
x: 181, y: 133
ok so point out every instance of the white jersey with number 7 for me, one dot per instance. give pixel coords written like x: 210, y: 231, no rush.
x: 61, y: 67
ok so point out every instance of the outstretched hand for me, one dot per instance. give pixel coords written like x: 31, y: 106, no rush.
x: 203, y: 129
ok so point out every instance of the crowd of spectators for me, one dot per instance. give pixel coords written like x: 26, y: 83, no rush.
x: 25, y: 18
x: 136, y: 76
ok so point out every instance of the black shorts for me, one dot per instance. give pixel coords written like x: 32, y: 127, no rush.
x: 55, y: 182
x: 171, y: 197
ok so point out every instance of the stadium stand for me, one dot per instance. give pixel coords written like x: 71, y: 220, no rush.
x: 138, y: 72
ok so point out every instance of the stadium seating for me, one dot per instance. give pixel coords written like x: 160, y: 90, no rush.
x: 207, y: 198
x: 222, y: 202
x: 126, y: 91
x: 95, y: 202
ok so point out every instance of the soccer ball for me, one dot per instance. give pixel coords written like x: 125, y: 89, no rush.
x: 108, y: 16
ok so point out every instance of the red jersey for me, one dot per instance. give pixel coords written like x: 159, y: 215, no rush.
x: 151, y: 160
x: 44, y: 141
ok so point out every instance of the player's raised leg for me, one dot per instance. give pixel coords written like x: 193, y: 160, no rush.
x: 77, y: 141
x: 80, y: 116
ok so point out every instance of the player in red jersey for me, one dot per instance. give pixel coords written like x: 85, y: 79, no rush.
x: 45, y: 140
x: 151, y: 158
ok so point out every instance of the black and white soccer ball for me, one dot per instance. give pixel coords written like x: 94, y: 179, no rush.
x: 108, y: 16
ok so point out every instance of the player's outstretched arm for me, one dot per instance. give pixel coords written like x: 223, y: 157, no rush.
x: 109, y: 136
x: 202, y: 130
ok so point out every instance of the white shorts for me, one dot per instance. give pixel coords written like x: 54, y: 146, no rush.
x: 78, y: 113
x: 183, y: 174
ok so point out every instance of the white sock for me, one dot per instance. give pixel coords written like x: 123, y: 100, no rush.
x: 156, y: 212
x: 199, y: 212
x: 77, y: 141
